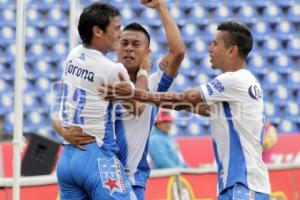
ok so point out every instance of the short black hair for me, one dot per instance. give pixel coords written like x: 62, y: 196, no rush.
x: 238, y: 34
x: 137, y: 27
x: 96, y: 14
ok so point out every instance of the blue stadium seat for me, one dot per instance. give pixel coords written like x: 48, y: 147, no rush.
x: 209, y: 31
x: 271, y: 80
x: 128, y: 14
x: 33, y: 35
x: 198, y: 15
x: 4, y: 4
x: 198, y: 48
x: 42, y: 85
x: 53, y: 34
x: 36, y: 51
x: 281, y: 95
x: 188, y: 68
x: 272, y: 13
x: 181, y: 83
x: 10, y: 53
x: 33, y: 121
x: 213, y: 4
x: 286, y: 3
x: 150, y: 17
x: 293, y: 47
x: 6, y: 103
x: 294, y: 13
x: 200, y: 79
x: 247, y: 13
x: 28, y: 86
x: 9, y: 122
x: 292, y: 111
x: 287, y: 126
x: 57, y: 17
x: 284, y: 30
x: 283, y: 64
x: 195, y: 129
x: 30, y: 102
x: 6, y: 72
x: 189, y: 32
x: 5, y: 86
x: 7, y: 35
x: 35, y: 18
x: 205, y: 67
x: 271, y: 47
x: 177, y: 13
x: 43, y: 68
x: 293, y: 80
x: 272, y: 112
x: 260, y: 30
x: 8, y: 17
x: 58, y: 51
x: 222, y: 13
x: 257, y: 64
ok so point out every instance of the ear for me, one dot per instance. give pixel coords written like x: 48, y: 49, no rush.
x: 148, y: 52
x: 97, y: 31
x: 233, y: 50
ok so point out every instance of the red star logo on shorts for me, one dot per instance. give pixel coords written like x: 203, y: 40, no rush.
x: 111, y: 183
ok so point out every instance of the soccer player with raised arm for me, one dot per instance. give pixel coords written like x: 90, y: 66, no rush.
x: 96, y: 173
x: 235, y: 104
x: 133, y: 132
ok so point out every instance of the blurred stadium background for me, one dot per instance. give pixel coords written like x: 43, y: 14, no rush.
x: 275, y: 58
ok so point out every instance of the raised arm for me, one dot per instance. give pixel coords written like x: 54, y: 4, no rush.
x: 172, y: 60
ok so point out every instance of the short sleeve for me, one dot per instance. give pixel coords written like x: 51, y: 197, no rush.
x: 159, y: 81
x: 219, y: 89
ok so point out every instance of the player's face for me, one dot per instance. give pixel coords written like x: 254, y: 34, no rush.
x: 132, y: 49
x: 113, y: 34
x: 218, y: 53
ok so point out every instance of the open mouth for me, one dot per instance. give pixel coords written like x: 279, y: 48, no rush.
x: 128, y: 58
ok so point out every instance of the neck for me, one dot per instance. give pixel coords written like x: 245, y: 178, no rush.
x: 100, y: 48
x: 132, y: 76
x: 235, y: 66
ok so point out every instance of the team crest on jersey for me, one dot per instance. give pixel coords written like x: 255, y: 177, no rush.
x: 254, y: 92
x: 111, y: 176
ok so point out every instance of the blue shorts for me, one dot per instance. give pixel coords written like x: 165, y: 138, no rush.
x: 92, y: 174
x: 241, y: 192
x: 139, y: 192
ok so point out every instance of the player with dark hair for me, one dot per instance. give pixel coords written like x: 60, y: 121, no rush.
x: 235, y: 104
x: 96, y: 173
x: 132, y: 132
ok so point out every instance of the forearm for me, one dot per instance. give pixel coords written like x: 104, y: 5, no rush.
x: 58, y: 127
x: 158, y: 98
x: 175, y: 43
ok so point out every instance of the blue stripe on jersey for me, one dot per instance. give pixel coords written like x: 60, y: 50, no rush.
x: 262, y: 132
x: 109, y: 140
x: 220, y: 167
x: 237, y: 171
x: 143, y: 169
x: 120, y: 136
x: 164, y: 83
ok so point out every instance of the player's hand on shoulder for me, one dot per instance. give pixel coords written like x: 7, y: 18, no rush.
x: 120, y: 90
x: 152, y: 3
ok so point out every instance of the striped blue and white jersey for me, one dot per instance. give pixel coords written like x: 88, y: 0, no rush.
x: 81, y: 105
x: 134, y: 143
x: 237, y: 127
